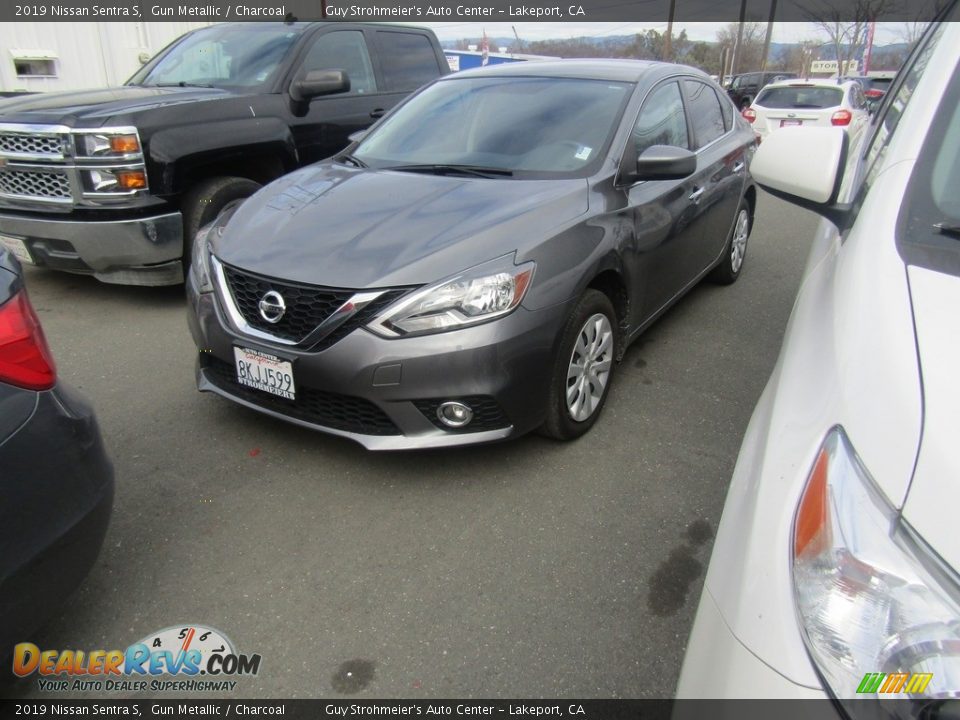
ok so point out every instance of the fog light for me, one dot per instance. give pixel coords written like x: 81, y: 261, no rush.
x: 454, y: 414
x: 132, y: 179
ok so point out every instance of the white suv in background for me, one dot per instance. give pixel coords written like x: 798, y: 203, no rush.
x: 834, y: 572
x: 806, y: 103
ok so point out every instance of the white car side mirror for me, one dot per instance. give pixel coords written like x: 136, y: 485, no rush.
x: 803, y: 165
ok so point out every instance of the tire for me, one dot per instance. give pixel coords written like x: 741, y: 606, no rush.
x: 205, y: 201
x: 571, y: 412
x: 735, y: 251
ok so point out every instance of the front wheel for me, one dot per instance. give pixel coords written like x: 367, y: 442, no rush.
x: 205, y: 201
x: 583, y: 368
x: 727, y: 272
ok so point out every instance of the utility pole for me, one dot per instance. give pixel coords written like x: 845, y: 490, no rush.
x: 766, y: 40
x: 668, y: 41
x: 737, y: 49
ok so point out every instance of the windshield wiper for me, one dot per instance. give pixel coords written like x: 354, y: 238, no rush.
x: 182, y: 83
x: 356, y: 162
x: 440, y: 169
x: 947, y: 229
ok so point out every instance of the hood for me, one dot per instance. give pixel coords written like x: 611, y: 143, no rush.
x: 93, y: 108
x: 343, y: 227
x: 934, y: 493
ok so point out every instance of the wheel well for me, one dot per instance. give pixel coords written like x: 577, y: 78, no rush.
x: 261, y: 169
x: 611, y: 284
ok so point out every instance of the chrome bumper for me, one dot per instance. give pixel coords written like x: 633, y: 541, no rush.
x: 141, y: 251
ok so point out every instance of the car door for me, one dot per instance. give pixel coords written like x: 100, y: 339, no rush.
x: 718, y: 181
x: 659, y: 212
x: 323, y: 128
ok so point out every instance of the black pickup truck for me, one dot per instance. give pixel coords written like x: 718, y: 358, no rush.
x: 116, y: 182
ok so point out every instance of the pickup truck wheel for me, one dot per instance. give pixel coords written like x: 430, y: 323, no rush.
x: 205, y: 201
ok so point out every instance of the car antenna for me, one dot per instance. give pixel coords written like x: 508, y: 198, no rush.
x: 289, y: 18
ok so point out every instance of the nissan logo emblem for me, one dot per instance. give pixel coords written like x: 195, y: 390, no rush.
x: 272, y: 306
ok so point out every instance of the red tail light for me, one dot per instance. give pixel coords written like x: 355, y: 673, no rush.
x: 841, y: 117
x: 874, y: 93
x: 25, y: 359
x: 749, y: 114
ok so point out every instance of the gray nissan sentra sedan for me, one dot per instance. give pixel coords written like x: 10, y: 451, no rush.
x: 473, y: 268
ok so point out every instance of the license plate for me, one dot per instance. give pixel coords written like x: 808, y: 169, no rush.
x: 264, y: 372
x: 788, y: 123
x: 18, y: 248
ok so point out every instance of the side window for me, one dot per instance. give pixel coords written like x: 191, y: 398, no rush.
x: 343, y: 50
x: 661, y: 120
x: 898, y: 97
x: 727, y: 108
x: 408, y: 60
x: 705, y: 113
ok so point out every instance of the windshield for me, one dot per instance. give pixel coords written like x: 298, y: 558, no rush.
x: 532, y: 126
x: 809, y: 96
x: 221, y: 56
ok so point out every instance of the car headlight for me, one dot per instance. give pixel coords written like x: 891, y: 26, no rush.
x: 204, y: 244
x: 880, y: 612
x: 200, y: 259
x: 124, y: 142
x: 467, y: 299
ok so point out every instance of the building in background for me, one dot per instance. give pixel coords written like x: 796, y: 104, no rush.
x: 47, y: 56
x: 466, y: 59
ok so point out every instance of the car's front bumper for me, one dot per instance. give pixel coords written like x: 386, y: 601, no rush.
x: 132, y: 251
x: 383, y: 393
x: 718, y: 666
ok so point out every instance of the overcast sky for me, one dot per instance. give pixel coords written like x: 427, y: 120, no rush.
x: 783, y: 32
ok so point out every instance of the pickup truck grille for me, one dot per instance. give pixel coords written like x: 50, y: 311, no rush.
x: 44, y: 165
x: 15, y: 143
x: 49, y: 184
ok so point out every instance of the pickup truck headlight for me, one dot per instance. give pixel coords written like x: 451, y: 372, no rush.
x: 96, y: 145
x: 467, y: 299
x: 879, y: 611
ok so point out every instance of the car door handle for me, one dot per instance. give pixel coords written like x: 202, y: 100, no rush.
x: 695, y: 195
x: 738, y: 167
x: 378, y: 113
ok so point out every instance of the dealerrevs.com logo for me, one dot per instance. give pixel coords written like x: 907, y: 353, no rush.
x: 180, y: 658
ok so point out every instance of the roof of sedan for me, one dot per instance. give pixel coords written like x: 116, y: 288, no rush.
x: 614, y: 70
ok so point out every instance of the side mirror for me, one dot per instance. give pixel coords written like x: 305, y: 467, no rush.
x: 804, y: 166
x: 664, y: 162
x: 319, y: 82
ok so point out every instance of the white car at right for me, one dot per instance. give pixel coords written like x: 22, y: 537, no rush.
x: 809, y: 103
x: 835, y: 572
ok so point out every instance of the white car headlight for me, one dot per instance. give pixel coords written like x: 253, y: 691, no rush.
x: 459, y: 302
x: 880, y: 612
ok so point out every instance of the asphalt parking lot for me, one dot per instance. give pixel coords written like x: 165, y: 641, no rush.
x: 524, y: 569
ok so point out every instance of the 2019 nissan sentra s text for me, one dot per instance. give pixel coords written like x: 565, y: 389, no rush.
x: 473, y: 267
x: 56, y: 482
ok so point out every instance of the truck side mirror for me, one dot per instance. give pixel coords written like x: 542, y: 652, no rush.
x: 319, y: 82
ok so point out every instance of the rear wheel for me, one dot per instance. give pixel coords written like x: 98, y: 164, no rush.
x: 583, y: 368
x: 205, y: 201
x: 727, y: 272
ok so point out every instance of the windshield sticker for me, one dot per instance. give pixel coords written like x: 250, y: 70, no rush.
x: 583, y: 153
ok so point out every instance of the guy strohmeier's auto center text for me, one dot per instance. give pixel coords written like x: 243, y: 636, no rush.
x: 431, y: 11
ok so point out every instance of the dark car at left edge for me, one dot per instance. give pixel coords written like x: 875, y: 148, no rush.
x: 473, y: 268
x: 56, y: 480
